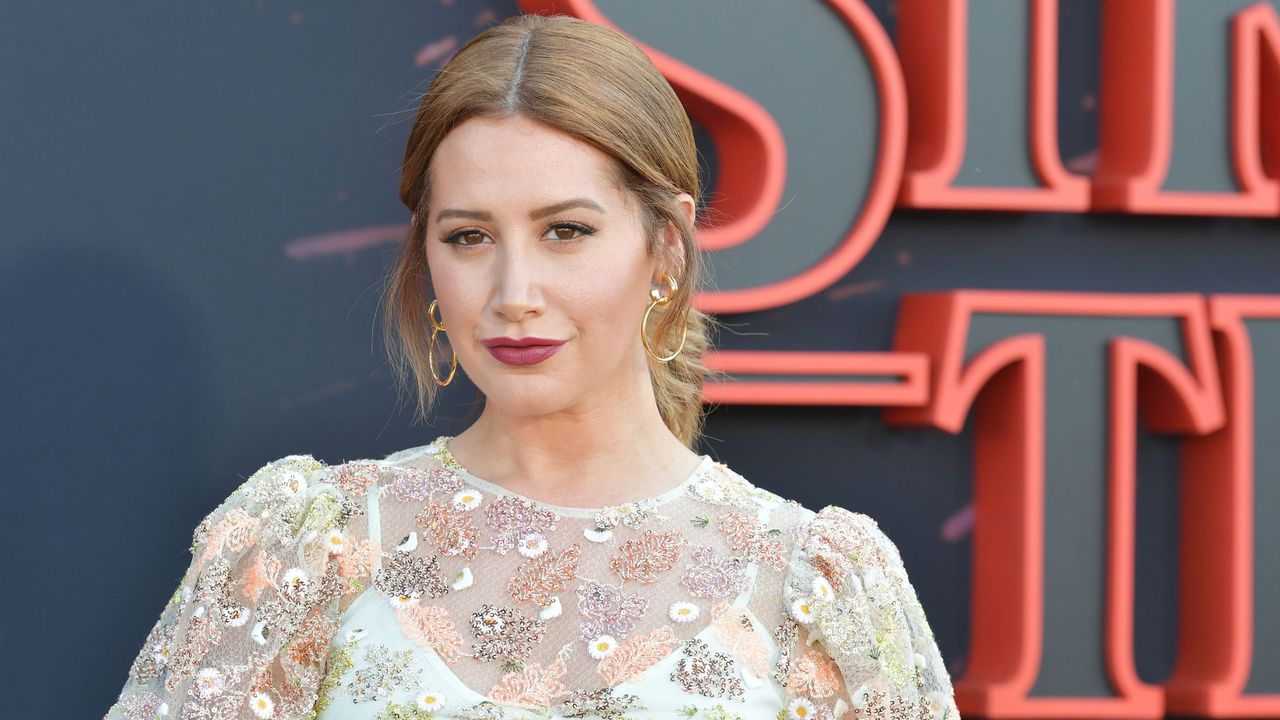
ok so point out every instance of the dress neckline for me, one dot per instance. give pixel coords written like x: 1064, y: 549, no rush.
x: 440, y: 448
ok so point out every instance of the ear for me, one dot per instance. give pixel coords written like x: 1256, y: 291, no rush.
x: 673, y: 250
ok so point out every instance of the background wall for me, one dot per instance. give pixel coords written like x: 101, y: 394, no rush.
x: 173, y: 318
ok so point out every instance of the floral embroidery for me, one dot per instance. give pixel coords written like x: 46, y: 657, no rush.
x: 141, y: 706
x: 532, y: 545
x: 544, y: 574
x: 535, y: 685
x: 387, y: 671
x: 311, y: 645
x: 504, y: 633
x: 736, y: 631
x: 814, y: 673
x: 359, y: 559
x: 511, y: 518
x: 414, y: 484
x: 552, y: 609
x: 608, y: 610
x: 601, y: 703
x: 632, y: 514
x: 234, y: 533
x: 723, y: 486
x: 645, y: 557
x: 260, y: 576
x: 637, y: 655
x: 712, y: 674
x: 355, y: 477
x: 597, y: 534
x: 453, y: 532
x: 710, y: 576
x: 266, y: 563
x: 218, y: 694
x: 155, y: 653
x: 409, y: 575
x: 463, y: 579
x: 683, y: 612
x: 409, y: 484
x: 429, y: 700
x: 186, y: 655
x: 784, y: 636
x: 324, y: 512
x: 430, y: 628
x: 752, y: 538
x: 602, y: 646
x: 340, y: 662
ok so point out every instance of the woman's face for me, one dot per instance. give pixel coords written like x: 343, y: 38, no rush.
x: 528, y: 237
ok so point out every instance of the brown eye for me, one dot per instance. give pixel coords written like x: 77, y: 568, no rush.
x: 565, y: 231
x: 465, y: 238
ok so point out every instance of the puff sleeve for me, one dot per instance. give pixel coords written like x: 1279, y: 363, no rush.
x: 246, y: 633
x: 856, y: 611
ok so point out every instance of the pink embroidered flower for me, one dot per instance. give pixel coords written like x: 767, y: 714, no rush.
x: 647, y: 556
x: 608, y: 610
x: 712, y: 576
x: 548, y: 573
x: 511, y: 518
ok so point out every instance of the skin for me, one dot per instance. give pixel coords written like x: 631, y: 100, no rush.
x: 582, y: 428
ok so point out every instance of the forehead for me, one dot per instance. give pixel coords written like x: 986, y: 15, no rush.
x: 520, y: 161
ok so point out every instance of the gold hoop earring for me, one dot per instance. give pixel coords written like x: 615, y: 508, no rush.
x: 655, y: 300
x: 437, y: 326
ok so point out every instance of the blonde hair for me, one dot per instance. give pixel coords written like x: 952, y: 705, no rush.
x: 592, y: 83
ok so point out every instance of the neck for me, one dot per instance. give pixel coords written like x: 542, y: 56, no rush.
x: 610, y: 448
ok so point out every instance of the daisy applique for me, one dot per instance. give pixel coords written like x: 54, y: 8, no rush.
x: 683, y: 612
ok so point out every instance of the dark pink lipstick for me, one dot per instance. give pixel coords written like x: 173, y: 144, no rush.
x: 522, y: 351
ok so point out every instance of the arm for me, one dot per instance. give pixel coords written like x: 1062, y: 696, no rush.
x: 862, y: 640
x: 246, y: 632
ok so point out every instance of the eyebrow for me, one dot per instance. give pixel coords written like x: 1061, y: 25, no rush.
x: 535, y: 215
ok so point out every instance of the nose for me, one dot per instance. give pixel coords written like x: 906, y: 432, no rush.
x: 516, y: 295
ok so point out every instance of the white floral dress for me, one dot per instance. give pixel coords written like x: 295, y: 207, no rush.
x: 408, y: 588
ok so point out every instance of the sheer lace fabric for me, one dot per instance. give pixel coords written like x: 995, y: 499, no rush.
x: 408, y: 587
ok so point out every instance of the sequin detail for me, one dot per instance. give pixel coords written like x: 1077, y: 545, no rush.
x: 644, y: 558
x: 411, y: 575
x: 511, y: 518
x: 607, y: 610
x: 712, y: 576
x: 545, y: 574
x: 750, y: 537
x: 708, y: 673
x: 355, y: 477
x: 453, y: 532
x: 602, y: 703
x: 503, y: 632
x: 387, y: 671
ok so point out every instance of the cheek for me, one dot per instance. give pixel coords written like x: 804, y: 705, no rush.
x: 459, y: 304
x: 610, y: 310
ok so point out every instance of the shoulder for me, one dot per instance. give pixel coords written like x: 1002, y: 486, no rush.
x: 286, y: 501
x: 847, y: 585
x: 719, y: 484
x: 841, y: 554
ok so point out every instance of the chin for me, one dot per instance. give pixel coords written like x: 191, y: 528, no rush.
x: 529, y: 395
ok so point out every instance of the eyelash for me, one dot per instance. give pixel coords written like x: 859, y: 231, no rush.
x: 452, y: 238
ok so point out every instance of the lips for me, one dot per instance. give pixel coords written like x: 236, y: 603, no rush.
x: 522, y: 351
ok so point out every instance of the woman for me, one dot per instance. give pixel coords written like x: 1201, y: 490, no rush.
x: 567, y: 555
